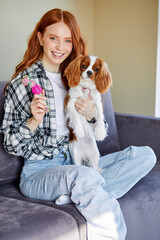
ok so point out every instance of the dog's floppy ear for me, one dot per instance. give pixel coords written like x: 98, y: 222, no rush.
x: 103, y: 78
x: 73, y: 72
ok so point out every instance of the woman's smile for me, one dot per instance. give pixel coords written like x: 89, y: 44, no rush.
x: 57, y: 55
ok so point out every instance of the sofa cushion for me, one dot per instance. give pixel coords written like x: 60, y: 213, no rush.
x: 12, y: 190
x: 24, y: 220
x: 2, y: 85
x: 110, y: 143
x: 10, y: 165
x: 141, y: 207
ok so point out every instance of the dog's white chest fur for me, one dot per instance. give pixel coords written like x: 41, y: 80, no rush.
x: 84, y: 149
x: 88, y: 76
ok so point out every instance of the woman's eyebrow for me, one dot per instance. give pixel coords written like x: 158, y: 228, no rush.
x: 51, y: 34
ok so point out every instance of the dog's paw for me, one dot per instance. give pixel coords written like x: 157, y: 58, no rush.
x: 99, y: 133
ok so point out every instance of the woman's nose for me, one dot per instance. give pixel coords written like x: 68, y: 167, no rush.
x: 59, y: 45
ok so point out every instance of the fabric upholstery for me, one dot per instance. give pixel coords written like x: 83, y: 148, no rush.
x: 2, y: 85
x: 139, y: 130
x: 111, y: 142
x: 141, y: 208
x: 10, y: 165
x: 11, y: 190
x: 24, y: 220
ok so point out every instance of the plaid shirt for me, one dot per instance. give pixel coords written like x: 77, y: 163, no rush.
x: 18, y: 138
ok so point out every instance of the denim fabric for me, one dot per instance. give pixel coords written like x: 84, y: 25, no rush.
x: 94, y: 195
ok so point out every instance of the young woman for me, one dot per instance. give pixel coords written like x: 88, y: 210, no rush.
x: 41, y: 137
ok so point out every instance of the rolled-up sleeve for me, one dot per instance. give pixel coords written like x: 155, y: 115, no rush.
x: 18, y: 138
x: 17, y: 135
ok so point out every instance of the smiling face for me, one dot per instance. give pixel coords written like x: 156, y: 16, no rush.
x: 57, y: 45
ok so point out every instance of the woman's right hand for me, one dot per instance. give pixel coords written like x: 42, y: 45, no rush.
x: 38, y: 110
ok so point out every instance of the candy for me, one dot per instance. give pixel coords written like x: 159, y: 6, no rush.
x: 35, y: 88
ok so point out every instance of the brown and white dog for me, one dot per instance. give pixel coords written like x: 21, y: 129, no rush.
x: 87, y: 76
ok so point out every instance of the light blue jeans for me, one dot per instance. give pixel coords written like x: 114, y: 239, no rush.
x: 94, y: 195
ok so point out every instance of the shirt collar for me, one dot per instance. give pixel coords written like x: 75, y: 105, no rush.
x: 38, y: 67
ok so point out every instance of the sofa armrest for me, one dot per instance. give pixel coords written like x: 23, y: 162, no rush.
x: 139, y: 131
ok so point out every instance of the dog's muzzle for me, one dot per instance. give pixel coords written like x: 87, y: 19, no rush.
x: 89, y: 73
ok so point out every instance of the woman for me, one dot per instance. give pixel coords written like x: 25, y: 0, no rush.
x: 41, y: 137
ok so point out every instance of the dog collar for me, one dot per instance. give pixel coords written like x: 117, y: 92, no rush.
x: 84, y: 89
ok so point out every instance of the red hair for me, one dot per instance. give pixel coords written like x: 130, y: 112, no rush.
x: 35, y: 50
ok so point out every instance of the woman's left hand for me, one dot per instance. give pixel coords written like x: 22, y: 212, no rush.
x: 86, y: 107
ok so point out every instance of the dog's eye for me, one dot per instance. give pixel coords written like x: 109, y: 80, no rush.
x: 84, y: 66
x: 96, y: 69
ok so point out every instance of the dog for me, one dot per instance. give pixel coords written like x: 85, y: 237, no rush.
x: 87, y: 76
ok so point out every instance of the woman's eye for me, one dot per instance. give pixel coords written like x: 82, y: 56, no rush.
x: 53, y: 38
x: 96, y: 69
x: 68, y: 41
x: 84, y: 66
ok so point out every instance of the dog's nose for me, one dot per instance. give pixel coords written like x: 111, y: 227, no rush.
x: 89, y: 73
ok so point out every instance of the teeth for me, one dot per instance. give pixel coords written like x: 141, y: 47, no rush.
x: 58, y: 54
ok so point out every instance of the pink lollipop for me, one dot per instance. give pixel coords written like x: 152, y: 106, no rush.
x: 36, y: 89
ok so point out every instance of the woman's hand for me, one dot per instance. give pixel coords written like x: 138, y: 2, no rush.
x: 38, y: 110
x: 86, y: 107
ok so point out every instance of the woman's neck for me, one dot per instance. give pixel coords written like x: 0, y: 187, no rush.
x: 50, y: 68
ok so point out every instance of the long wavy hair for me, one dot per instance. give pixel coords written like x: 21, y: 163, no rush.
x: 34, y: 51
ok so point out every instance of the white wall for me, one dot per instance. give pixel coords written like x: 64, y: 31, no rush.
x: 18, y: 19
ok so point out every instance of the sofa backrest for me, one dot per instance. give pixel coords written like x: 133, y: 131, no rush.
x: 11, y: 165
x: 110, y: 143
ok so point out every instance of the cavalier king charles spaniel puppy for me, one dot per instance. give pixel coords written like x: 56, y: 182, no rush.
x: 87, y: 76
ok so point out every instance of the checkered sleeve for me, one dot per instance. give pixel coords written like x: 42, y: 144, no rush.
x: 18, y: 138
x: 17, y: 135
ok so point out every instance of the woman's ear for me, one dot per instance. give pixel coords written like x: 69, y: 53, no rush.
x: 39, y: 36
x: 103, y: 79
x: 73, y: 72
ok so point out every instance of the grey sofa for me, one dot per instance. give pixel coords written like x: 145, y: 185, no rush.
x: 22, y: 218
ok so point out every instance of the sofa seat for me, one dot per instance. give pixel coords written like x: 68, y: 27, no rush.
x: 141, y: 207
x: 35, y: 224
x: 141, y: 201
x: 40, y: 217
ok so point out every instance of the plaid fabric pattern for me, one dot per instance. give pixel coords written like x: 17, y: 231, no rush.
x: 18, y: 138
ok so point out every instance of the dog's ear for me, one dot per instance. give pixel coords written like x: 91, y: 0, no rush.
x: 103, y: 78
x: 73, y: 72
